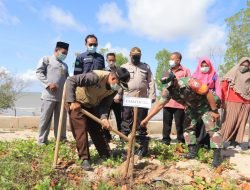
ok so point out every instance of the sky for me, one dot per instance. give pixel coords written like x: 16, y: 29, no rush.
x: 29, y: 30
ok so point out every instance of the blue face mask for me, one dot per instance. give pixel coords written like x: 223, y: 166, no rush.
x: 61, y: 57
x: 91, y: 49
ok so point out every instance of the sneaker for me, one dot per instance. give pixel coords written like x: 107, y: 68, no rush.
x: 86, y: 165
x: 238, y: 148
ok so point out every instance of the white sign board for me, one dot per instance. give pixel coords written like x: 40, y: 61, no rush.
x: 137, y: 102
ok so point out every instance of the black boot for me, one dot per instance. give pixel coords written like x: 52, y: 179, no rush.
x: 86, y: 165
x: 192, y: 151
x: 217, y: 159
x: 144, y: 142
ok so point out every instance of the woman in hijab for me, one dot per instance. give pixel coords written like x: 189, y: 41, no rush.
x: 206, y: 73
x: 236, y: 102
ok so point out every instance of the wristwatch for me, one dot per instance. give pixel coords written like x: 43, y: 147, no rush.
x: 215, y: 110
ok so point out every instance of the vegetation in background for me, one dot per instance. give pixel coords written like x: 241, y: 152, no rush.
x: 162, y: 57
x: 238, y: 39
x: 10, y: 88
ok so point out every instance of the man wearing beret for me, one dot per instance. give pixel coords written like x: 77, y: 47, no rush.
x: 52, y: 71
x: 93, y: 91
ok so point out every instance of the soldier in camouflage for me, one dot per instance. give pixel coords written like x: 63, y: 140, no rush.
x: 199, y: 103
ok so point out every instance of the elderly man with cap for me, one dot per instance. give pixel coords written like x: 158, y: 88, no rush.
x: 93, y: 91
x: 200, y: 103
x: 141, y: 79
x: 52, y: 71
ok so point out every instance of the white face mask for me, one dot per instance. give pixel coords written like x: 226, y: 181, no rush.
x: 111, y: 64
x: 61, y: 57
x: 172, y: 63
x: 115, y: 87
x: 205, y: 69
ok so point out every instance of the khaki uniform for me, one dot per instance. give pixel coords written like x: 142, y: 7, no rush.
x: 141, y: 79
x: 91, y: 90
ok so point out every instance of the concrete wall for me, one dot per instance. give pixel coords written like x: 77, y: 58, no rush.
x: 32, y: 122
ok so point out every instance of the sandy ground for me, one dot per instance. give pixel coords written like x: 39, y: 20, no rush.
x: 240, y: 159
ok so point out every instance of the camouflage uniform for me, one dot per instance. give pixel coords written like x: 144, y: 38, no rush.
x: 197, y: 107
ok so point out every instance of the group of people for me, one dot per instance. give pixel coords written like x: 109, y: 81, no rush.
x: 193, y: 100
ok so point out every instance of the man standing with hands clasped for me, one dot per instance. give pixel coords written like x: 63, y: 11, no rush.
x: 52, y: 71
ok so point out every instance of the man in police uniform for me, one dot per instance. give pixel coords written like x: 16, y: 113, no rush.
x: 93, y: 91
x: 141, y: 79
x: 200, y: 104
x: 89, y: 60
x: 52, y: 71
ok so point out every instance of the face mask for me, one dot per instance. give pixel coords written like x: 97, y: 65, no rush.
x: 136, y: 59
x: 172, y: 63
x: 111, y: 64
x: 204, y: 69
x: 115, y: 87
x: 91, y: 49
x: 243, y: 69
x: 61, y: 57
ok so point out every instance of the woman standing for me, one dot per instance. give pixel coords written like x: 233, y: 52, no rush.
x: 236, y: 101
x: 206, y: 73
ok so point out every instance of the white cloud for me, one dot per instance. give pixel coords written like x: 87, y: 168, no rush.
x: 167, y: 20
x: 6, y: 17
x: 63, y: 19
x: 124, y: 51
x: 3, y: 70
x: 210, y: 41
x: 28, y: 76
x: 110, y: 16
x: 159, y: 19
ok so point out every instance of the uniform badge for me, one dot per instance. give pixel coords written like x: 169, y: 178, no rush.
x: 77, y: 63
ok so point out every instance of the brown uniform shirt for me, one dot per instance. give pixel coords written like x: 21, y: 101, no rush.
x: 91, y: 90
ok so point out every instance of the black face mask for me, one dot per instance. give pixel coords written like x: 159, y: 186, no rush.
x: 135, y: 59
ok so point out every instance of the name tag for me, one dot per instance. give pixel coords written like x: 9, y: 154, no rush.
x: 137, y: 102
x: 88, y: 59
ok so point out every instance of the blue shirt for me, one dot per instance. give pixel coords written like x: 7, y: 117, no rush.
x: 86, y: 62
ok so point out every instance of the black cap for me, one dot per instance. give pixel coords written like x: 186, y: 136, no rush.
x: 123, y: 76
x: 62, y: 45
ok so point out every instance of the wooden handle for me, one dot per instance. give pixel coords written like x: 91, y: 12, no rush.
x: 96, y: 119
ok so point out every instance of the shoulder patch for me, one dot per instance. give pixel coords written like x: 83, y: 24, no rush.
x: 197, y: 86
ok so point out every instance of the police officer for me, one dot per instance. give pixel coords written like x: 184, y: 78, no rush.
x: 89, y: 60
x: 200, y: 103
x: 141, y: 79
x: 52, y: 71
x: 93, y: 91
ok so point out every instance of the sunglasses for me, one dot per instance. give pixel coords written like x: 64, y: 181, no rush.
x: 92, y: 44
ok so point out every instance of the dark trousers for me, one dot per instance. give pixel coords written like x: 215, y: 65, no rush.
x: 202, y: 137
x: 127, y: 120
x: 80, y: 125
x: 117, y: 109
x: 168, y: 114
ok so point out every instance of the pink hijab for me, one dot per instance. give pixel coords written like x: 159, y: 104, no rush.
x: 210, y: 78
